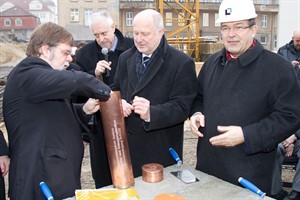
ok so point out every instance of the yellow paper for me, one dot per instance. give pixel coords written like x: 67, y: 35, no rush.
x: 115, y: 194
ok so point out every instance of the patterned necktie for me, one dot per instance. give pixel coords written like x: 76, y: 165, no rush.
x: 146, y: 60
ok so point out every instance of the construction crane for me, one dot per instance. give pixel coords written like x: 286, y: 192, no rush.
x: 186, y: 36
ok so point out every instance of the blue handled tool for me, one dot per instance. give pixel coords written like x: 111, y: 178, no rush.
x: 250, y: 186
x: 184, y: 175
x: 175, y: 156
x: 46, y: 191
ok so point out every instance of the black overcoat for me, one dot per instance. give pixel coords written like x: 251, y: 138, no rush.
x: 45, y: 142
x: 258, y: 92
x: 169, y: 83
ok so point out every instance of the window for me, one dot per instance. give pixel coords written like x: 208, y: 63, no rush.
x: 74, y: 15
x: 35, y: 5
x: 217, y: 24
x: 264, y: 21
x: 42, y: 16
x: 193, y: 19
x: 180, y: 20
x: 265, y: 1
x: 205, y: 19
x: 169, y: 17
x: 103, y: 10
x: 7, y: 22
x: 129, y: 18
x: 87, y: 14
x: 263, y: 39
x: 18, y: 22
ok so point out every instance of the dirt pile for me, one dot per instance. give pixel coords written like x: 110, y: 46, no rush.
x: 11, y: 53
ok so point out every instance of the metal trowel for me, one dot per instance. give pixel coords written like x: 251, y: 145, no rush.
x: 184, y: 175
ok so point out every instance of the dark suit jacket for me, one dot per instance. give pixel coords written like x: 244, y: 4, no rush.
x: 169, y: 83
x: 87, y: 58
x: 44, y: 131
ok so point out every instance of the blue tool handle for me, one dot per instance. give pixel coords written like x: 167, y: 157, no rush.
x: 175, y: 155
x: 46, y: 191
x: 250, y: 186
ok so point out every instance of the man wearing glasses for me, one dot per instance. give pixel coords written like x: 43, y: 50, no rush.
x: 44, y: 128
x: 248, y: 101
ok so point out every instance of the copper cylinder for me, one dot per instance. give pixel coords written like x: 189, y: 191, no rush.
x: 116, y: 141
x: 152, y: 172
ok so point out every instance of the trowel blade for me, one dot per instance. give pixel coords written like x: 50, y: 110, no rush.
x: 186, y: 176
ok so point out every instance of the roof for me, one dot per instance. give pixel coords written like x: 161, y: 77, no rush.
x: 15, y: 11
x: 24, y: 4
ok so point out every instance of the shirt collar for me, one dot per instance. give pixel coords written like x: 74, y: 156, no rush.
x: 229, y: 56
x: 114, y: 46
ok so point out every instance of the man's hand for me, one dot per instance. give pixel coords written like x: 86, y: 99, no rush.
x: 290, y: 140
x: 196, y: 121
x: 295, y: 63
x: 288, y: 145
x: 101, y: 66
x: 4, y: 164
x: 289, y: 150
x: 230, y: 137
x: 127, y: 108
x: 141, y: 106
x: 91, y: 106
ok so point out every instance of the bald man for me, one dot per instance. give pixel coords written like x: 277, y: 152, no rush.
x: 290, y: 146
x: 158, y: 85
x: 291, y: 52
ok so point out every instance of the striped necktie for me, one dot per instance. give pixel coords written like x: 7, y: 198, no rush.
x: 146, y: 60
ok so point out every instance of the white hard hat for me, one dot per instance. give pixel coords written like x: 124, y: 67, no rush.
x: 236, y: 10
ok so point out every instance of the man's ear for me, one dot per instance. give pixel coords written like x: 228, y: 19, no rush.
x: 254, y: 28
x: 161, y: 31
x: 45, y: 51
x: 113, y: 26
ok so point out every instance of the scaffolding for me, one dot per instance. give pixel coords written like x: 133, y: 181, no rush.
x: 187, y: 36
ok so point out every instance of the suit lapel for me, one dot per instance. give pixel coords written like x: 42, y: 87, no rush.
x: 153, y: 68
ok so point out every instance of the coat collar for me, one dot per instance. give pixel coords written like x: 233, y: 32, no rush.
x: 246, y: 58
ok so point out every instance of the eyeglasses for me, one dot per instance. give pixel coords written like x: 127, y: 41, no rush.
x: 236, y: 29
x: 65, y: 52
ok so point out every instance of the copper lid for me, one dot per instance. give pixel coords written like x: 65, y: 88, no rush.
x: 152, y: 173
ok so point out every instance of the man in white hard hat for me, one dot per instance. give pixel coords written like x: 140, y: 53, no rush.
x: 248, y: 101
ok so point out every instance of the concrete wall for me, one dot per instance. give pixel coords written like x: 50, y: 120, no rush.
x: 288, y: 20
